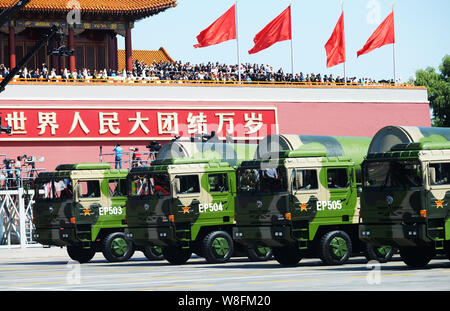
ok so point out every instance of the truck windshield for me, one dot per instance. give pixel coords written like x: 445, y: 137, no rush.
x: 53, y: 189
x: 404, y: 174
x: 156, y: 184
x: 262, y: 180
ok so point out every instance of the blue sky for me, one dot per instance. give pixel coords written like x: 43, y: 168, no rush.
x: 421, y: 34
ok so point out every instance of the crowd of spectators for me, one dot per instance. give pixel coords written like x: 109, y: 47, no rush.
x: 184, y: 72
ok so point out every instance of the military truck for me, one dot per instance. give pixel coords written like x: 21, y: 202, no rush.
x: 82, y: 206
x: 406, y: 192
x: 300, y: 197
x: 184, y: 202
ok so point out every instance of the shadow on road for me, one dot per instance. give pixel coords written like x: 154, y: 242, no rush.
x: 354, y: 264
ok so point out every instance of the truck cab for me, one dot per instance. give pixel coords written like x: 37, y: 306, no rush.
x: 183, y: 206
x: 82, y: 207
x: 406, y: 195
x: 302, y: 203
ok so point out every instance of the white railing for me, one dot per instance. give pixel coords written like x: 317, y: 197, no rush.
x: 16, y: 218
x: 128, y: 161
x: 16, y: 201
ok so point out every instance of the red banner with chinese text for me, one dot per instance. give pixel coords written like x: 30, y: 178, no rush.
x: 136, y: 123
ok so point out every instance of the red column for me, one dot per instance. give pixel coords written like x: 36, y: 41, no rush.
x: 71, y: 46
x: 116, y: 58
x: 128, y: 50
x: 12, y: 47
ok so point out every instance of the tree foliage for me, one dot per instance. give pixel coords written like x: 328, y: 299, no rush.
x: 438, y: 85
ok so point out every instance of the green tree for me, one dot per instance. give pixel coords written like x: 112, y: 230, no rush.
x: 438, y: 85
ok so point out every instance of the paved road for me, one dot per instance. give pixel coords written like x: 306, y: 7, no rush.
x: 50, y: 269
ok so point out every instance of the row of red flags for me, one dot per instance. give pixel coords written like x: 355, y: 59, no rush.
x: 224, y: 29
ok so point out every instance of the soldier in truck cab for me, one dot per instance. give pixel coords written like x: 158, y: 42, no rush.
x: 161, y: 186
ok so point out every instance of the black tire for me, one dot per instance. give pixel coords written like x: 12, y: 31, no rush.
x: 176, y: 255
x: 287, y: 255
x: 381, y: 254
x: 117, y: 248
x: 416, y: 257
x: 335, y: 248
x: 259, y: 253
x: 82, y: 255
x: 217, y: 247
x: 153, y: 252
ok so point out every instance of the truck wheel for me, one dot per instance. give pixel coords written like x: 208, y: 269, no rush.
x: 117, y: 248
x: 153, y: 252
x: 176, y: 255
x: 416, y: 257
x: 218, y: 247
x: 335, y: 248
x: 381, y: 254
x: 82, y: 255
x: 287, y: 255
x: 259, y: 253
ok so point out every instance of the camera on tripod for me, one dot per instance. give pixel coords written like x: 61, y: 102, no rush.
x: 30, y: 160
x: 154, y: 146
x: 8, y: 162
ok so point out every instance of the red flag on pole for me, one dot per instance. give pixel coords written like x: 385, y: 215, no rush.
x: 223, y: 29
x: 384, y: 34
x: 277, y: 30
x: 335, y: 46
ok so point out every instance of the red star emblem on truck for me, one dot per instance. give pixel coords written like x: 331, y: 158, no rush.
x: 439, y: 203
x: 186, y: 209
x: 303, y: 207
x: 87, y: 211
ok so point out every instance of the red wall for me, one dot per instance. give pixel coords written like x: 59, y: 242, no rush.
x: 344, y: 119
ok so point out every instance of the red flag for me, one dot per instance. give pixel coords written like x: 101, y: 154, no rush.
x: 223, y: 29
x: 277, y: 30
x: 335, y: 46
x: 384, y: 34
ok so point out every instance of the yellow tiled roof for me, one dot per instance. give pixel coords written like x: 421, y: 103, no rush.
x: 147, y: 56
x: 113, y: 6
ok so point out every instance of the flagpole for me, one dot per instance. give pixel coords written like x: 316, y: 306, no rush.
x: 237, y: 43
x: 393, y: 51
x: 345, y: 62
x: 292, y: 43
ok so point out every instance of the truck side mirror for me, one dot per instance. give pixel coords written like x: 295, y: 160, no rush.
x: 77, y: 191
x: 177, y: 186
x: 432, y: 174
x: 299, y: 180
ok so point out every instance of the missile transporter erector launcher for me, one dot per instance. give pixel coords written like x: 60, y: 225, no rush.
x: 406, y: 192
x: 82, y: 206
x: 300, y: 197
x: 184, y: 202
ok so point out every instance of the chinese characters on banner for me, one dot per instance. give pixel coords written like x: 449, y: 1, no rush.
x: 137, y: 123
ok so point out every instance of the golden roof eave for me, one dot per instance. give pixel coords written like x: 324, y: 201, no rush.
x: 97, y: 7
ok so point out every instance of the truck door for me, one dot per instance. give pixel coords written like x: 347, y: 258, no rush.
x: 219, y: 208
x: 438, y: 198
x: 87, y: 208
x: 306, y: 193
x: 185, y: 204
x: 115, y: 195
x: 342, y: 198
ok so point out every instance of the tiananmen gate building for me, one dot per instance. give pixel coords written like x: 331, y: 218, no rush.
x: 94, y: 38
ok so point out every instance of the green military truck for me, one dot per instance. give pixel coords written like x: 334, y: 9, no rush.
x: 184, y: 202
x: 406, y: 192
x: 300, y: 197
x: 82, y: 206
